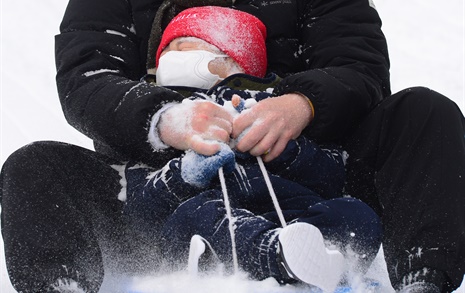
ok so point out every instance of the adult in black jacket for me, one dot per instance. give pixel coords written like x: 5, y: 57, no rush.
x: 407, y: 150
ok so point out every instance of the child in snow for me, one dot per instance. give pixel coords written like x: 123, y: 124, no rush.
x: 186, y: 198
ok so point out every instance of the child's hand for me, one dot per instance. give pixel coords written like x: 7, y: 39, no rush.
x: 238, y: 103
x: 199, y: 170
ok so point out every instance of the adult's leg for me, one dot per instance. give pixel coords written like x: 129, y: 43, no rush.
x: 58, y: 202
x: 407, y: 160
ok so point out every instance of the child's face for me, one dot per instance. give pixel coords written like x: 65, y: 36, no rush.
x: 223, y: 67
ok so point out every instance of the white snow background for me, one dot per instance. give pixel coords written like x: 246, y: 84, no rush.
x: 426, y: 42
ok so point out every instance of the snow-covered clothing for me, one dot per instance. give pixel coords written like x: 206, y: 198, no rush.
x: 308, y: 181
x: 407, y: 155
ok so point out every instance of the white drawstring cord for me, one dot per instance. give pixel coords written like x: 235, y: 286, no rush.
x: 271, y: 191
x: 227, y: 206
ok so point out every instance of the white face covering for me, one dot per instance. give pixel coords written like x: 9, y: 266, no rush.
x: 187, y: 68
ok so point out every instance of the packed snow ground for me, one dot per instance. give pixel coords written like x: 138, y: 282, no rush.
x: 426, y: 42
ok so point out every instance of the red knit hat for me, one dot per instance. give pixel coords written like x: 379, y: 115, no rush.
x: 238, y: 34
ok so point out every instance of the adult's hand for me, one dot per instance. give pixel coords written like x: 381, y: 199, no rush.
x: 197, y: 125
x: 266, y: 128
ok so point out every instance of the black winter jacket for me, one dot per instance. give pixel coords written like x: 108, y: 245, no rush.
x: 332, y: 51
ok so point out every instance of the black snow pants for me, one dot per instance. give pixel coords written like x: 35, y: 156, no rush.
x: 61, y: 218
x: 407, y: 161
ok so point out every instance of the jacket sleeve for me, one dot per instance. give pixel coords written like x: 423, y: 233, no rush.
x: 98, y: 71
x: 347, y: 65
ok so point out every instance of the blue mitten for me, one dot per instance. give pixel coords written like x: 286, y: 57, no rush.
x: 199, y: 170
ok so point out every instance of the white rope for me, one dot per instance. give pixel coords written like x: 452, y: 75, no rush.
x: 271, y: 191
x: 227, y: 206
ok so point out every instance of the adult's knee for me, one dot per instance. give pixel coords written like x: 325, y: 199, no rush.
x: 18, y: 166
x: 425, y: 101
x: 27, y: 163
x: 26, y: 156
x: 44, y: 171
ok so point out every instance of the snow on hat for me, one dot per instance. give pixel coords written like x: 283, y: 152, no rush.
x: 238, y: 34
